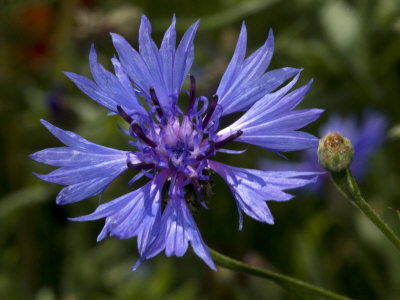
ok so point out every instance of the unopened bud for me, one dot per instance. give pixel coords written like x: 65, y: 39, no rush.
x: 335, y: 152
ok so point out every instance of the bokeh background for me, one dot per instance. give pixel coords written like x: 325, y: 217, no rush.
x: 350, y: 48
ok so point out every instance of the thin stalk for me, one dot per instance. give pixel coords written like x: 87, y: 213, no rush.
x: 297, y: 287
x: 346, y: 183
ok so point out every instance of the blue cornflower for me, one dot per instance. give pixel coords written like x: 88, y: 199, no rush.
x: 172, y: 147
x: 366, y: 136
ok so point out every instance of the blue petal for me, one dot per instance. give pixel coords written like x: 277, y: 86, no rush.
x: 309, y: 162
x: 244, y: 81
x: 272, y: 104
x: 83, y: 190
x: 108, y: 90
x: 176, y: 230
x: 184, y: 58
x: 91, y: 89
x: 77, y: 142
x: 133, y: 64
x: 163, y: 69
x: 167, y: 54
x: 108, y: 209
x: 86, y: 171
x: 68, y: 157
x: 255, y: 65
x: 270, y: 123
x: 137, y: 213
x: 289, y: 101
x: 150, y: 55
x: 85, y: 167
x: 282, y: 141
x: 129, y: 101
x: 235, y: 64
x: 251, y: 188
x: 255, y: 90
x: 287, y: 121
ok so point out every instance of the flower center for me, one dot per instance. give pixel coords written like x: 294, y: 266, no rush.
x: 179, y: 150
x: 180, y: 143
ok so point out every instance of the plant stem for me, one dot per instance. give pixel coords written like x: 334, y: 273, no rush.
x: 346, y: 183
x: 297, y: 287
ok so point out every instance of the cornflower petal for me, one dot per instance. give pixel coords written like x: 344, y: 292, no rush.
x: 133, y: 64
x: 252, y: 188
x: 150, y: 55
x: 151, y: 66
x: 244, y: 81
x: 183, y: 58
x: 108, y: 90
x: 85, y: 167
x: 234, y: 66
x: 283, y: 141
x: 134, y: 214
x: 167, y: 54
x: 251, y: 69
x: 176, y: 230
x: 272, y: 124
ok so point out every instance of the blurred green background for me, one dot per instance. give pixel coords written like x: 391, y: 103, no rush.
x: 350, y: 48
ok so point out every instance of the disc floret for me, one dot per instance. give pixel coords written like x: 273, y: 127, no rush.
x: 176, y: 142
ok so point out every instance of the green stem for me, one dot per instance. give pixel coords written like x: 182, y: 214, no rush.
x: 297, y: 287
x: 346, y: 183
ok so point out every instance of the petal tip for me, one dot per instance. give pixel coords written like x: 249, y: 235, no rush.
x: 144, y: 17
x: 44, y: 122
x: 60, y: 199
x: 137, y: 264
x: 116, y: 37
x: 212, y: 266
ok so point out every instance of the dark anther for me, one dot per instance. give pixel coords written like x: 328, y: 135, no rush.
x: 213, y: 146
x: 170, y: 164
x: 139, y: 166
x: 210, y: 111
x: 140, y: 134
x: 123, y: 114
x: 228, y: 139
x: 156, y: 102
x: 199, y: 191
x: 192, y: 92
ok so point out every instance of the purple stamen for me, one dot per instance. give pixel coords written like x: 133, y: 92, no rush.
x: 192, y: 92
x: 211, y: 110
x: 213, y: 146
x: 139, y: 166
x: 228, y: 139
x: 124, y: 115
x: 210, y: 150
x: 140, y: 134
x: 156, y: 102
x: 198, y: 190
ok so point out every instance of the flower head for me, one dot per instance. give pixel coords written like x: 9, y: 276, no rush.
x: 335, y: 152
x: 172, y: 147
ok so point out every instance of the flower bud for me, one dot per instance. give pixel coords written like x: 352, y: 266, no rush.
x: 335, y: 152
